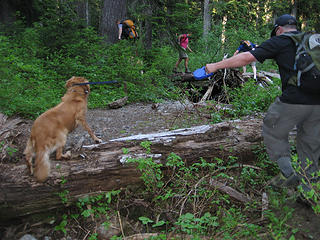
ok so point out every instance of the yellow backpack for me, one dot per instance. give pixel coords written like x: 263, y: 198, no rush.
x: 129, y: 28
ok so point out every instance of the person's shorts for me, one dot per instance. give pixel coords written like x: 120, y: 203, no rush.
x: 183, y: 53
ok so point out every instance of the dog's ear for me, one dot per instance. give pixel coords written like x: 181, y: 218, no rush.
x: 70, y: 82
x: 74, y: 80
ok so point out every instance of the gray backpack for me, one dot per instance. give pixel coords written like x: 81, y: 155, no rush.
x: 307, y: 61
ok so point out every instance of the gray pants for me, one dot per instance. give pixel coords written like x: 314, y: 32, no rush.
x: 183, y: 53
x: 280, y: 120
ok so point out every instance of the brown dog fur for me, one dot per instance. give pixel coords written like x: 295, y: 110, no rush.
x: 49, y: 131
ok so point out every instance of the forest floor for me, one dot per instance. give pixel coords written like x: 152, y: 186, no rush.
x: 135, y: 119
x: 131, y: 119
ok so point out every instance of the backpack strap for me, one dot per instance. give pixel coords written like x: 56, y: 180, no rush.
x: 299, y: 39
x: 305, y: 44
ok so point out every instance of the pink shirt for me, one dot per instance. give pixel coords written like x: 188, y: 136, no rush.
x: 184, y: 40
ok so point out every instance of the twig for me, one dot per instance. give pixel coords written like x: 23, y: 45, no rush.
x: 120, y: 222
x: 230, y: 191
x: 85, y: 237
x: 265, y: 204
x: 245, y: 165
x: 225, y: 86
x: 195, y: 186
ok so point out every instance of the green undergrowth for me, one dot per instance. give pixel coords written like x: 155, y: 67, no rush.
x: 33, y: 78
x: 216, y: 199
x: 34, y: 69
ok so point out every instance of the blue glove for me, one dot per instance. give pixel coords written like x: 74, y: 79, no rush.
x: 200, y: 74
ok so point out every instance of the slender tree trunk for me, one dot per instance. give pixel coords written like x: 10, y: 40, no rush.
x: 206, y: 20
x: 87, y: 13
x: 294, y: 8
x: 82, y: 8
x: 112, y: 11
x: 6, y: 12
x: 148, y: 25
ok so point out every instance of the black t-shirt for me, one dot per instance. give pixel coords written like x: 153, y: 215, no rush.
x: 283, y: 50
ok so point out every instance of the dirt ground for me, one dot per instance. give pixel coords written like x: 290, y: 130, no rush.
x: 110, y: 124
x: 141, y: 118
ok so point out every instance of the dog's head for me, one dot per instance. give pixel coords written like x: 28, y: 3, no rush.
x: 74, y: 81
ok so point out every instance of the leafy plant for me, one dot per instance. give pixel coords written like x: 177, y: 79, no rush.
x: 194, y: 226
x: 252, y: 98
x: 151, y: 172
x: 62, y: 226
x: 310, y: 186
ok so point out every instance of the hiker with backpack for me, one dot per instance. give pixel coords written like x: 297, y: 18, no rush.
x: 245, y: 46
x: 299, y: 104
x: 183, y: 41
x: 126, y: 29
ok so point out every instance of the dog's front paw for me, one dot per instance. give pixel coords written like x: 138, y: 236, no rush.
x: 67, y: 155
x: 97, y: 140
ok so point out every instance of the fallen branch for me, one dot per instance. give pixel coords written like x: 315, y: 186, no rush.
x: 230, y: 191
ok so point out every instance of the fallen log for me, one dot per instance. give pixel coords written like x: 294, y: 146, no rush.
x: 103, y: 167
x: 118, y: 103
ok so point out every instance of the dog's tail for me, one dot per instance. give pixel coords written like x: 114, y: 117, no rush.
x: 42, y: 165
x: 29, y: 154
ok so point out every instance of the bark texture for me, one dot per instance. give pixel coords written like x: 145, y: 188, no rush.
x: 112, y: 11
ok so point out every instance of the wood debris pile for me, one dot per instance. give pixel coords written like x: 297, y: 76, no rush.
x: 216, y: 87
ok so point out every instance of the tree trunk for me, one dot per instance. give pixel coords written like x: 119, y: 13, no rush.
x: 294, y: 8
x: 82, y: 8
x: 103, y: 167
x: 148, y: 26
x: 206, y: 19
x: 112, y: 11
x: 7, y: 12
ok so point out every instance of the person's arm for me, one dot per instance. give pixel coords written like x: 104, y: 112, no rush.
x: 189, y: 48
x: 236, y: 52
x: 238, y: 60
x: 179, y: 38
x: 120, y: 31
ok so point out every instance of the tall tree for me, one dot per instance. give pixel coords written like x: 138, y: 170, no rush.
x: 8, y: 9
x: 148, y: 24
x: 112, y: 11
x: 82, y: 8
x: 7, y: 12
x: 294, y: 8
x: 206, y: 19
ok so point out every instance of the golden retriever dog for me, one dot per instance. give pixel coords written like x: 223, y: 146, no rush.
x: 49, y: 131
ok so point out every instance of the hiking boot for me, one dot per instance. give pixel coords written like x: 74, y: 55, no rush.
x: 187, y: 71
x: 280, y: 181
x: 285, y: 166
